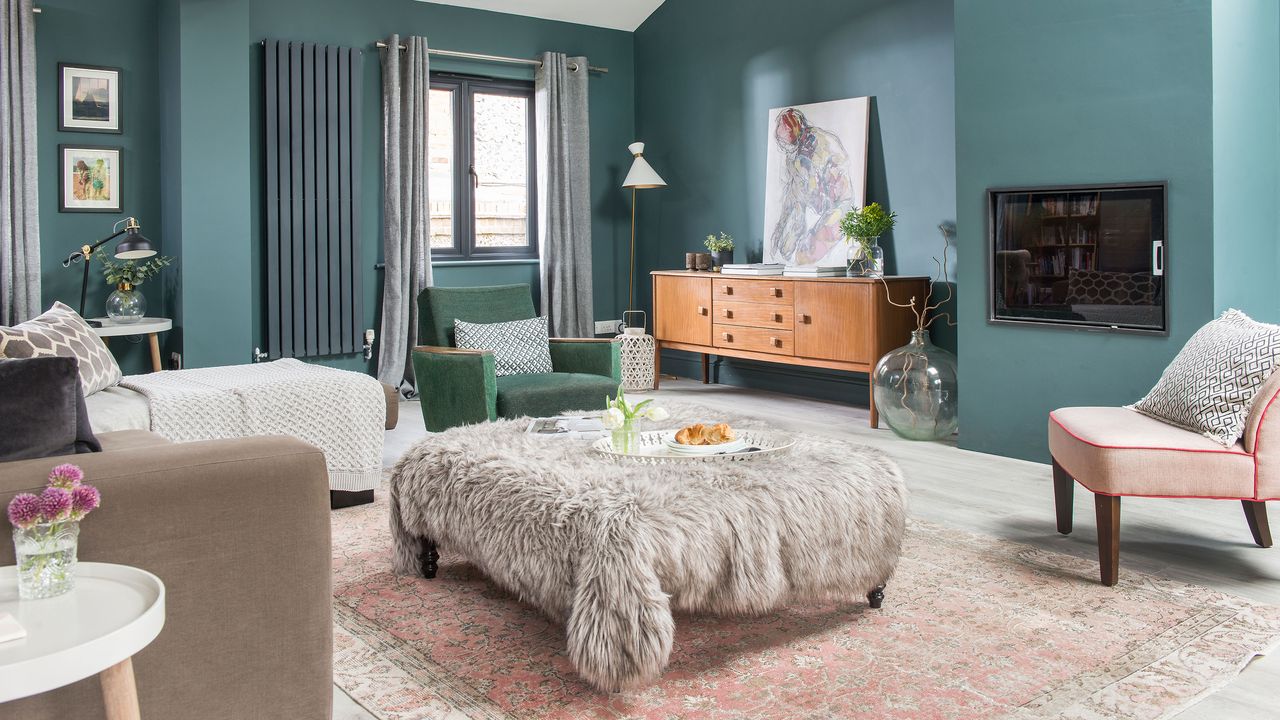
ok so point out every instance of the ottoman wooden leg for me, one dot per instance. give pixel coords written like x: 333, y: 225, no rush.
x: 1108, y: 509
x: 1064, y: 491
x: 876, y: 597
x: 1256, y: 514
x: 429, y: 559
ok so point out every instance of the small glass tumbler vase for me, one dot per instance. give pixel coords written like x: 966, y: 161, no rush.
x: 626, y: 439
x: 126, y: 304
x: 915, y: 389
x: 46, y: 556
x: 865, y: 262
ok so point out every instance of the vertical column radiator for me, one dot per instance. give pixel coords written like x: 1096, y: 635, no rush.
x: 311, y: 104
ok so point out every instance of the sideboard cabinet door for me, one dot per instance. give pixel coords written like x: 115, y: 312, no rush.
x: 833, y: 321
x: 682, y: 309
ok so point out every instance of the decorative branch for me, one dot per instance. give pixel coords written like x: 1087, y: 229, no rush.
x: 947, y: 230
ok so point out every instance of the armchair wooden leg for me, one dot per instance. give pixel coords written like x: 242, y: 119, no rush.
x: 1064, y: 493
x: 1256, y: 514
x: 1108, y: 509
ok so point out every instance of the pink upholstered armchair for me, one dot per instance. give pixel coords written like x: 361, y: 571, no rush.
x: 1114, y: 452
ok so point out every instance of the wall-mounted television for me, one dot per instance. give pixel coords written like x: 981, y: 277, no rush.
x: 1079, y: 256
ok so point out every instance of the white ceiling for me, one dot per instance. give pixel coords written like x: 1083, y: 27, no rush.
x: 617, y: 14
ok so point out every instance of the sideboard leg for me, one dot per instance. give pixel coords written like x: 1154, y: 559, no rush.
x: 430, y: 559
x: 706, y: 368
x: 657, y: 366
x: 876, y: 597
x: 871, y: 406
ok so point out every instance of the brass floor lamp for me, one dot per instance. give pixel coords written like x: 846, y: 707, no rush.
x: 641, y: 177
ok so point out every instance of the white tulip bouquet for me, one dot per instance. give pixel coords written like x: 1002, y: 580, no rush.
x: 619, y: 414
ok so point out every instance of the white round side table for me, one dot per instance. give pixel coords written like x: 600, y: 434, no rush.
x: 96, y: 629
x: 149, y: 326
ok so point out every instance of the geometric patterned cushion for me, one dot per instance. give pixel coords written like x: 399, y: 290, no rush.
x: 1210, y: 386
x: 1095, y: 287
x: 521, y: 347
x: 62, y: 332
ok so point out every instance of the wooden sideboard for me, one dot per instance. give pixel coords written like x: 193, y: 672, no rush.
x: 834, y: 323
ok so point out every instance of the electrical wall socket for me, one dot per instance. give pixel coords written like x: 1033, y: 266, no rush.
x: 608, y: 327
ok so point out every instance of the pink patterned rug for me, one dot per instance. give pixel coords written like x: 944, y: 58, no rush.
x: 972, y: 627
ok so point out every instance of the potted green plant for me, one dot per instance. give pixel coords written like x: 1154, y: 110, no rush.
x: 721, y: 249
x: 126, y: 303
x: 862, y: 229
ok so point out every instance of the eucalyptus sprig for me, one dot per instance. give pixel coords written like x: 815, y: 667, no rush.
x: 864, y: 224
x: 719, y: 244
x: 132, y: 272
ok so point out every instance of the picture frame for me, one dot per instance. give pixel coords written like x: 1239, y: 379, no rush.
x: 90, y: 178
x: 89, y: 98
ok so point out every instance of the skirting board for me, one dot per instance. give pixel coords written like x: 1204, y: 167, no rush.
x: 851, y: 388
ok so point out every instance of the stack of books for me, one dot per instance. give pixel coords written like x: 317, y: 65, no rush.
x: 752, y: 269
x: 814, y: 271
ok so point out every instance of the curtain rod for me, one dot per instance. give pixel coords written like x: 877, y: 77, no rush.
x: 492, y: 58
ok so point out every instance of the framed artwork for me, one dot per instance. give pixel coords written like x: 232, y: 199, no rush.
x: 89, y: 180
x: 816, y: 166
x: 88, y: 98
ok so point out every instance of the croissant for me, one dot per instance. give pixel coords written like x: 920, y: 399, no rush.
x: 700, y: 434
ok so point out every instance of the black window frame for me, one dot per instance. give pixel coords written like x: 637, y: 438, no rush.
x: 464, y: 88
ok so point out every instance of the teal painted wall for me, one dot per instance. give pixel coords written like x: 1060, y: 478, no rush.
x: 1246, y: 156
x: 1087, y: 91
x: 706, y: 79
x: 71, y: 31
x: 359, y: 25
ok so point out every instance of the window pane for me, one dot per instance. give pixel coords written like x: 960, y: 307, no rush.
x: 502, y: 166
x: 440, y: 168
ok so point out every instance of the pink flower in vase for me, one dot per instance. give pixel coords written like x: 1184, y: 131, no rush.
x: 24, y: 510
x: 66, y: 476
x: 55, y: 504
x: 84, y: 500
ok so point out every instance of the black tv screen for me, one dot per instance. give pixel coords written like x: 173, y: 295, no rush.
x: 1089, y: 256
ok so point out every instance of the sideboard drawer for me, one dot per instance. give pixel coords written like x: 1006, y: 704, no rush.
x: 752, y: 290
x: 765, y: 340
x: 762, y: 315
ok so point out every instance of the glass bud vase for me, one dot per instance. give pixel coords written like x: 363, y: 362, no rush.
x: 915, y: 389
x: 126, y: 304
x: 865, y: 262
x: 46, y: 558
x: 626, y: 439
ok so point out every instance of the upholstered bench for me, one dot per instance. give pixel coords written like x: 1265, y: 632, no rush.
x: 1115, y: 452
x: 610, y: 549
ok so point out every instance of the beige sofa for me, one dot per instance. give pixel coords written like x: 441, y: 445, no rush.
x: 238, y: 530
x: 1115, y: 452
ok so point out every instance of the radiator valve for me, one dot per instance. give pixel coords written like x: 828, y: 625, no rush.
x: 258, y: 355
x: 368, y: 344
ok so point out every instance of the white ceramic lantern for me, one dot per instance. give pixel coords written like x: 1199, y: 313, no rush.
x: 638, y: 352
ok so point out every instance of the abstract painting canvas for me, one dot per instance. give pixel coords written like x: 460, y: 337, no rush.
x: 88, y: 98
x: 90, y: 178
x: 816, y: 168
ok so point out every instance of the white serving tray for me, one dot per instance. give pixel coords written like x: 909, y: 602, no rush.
x: 652, y: 448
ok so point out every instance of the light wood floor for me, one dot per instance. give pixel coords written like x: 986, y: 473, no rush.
x: 1201, y: 542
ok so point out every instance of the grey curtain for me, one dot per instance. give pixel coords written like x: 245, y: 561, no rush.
x: 564, y: 194
x: 406, y: 217
x: 19, y: 219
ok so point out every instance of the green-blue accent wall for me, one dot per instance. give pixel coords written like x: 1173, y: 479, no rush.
x: 706, y: 80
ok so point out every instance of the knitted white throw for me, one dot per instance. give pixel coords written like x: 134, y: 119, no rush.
x: 340, y: 412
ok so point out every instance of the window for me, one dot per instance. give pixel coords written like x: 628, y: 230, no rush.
x: 481, y: 163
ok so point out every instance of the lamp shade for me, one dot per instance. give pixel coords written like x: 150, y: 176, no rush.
x: 642, y: 175
x: 134, y: 246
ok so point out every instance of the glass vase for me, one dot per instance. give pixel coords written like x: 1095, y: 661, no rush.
x: 865, y: 260
x: 915, y: 389
x: 46, y: 558
x: 626, y: 439
x: 126, y: 304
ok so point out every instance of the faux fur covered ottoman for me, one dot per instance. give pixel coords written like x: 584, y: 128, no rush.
x: 611, y: 549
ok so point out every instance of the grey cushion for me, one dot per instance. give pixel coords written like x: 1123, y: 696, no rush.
x: 61, y: 332
x: 1210, y: 386
x: 42, y: 412
x: 520, y: 347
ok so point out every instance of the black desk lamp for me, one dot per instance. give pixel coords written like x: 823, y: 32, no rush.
x: 133, y: 247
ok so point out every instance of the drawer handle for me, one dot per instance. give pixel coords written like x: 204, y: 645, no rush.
x: 777, y: 292
x: 728, y: 289
x: 702, y: 310
x: 728, y: 313
x: 777, y: 317
x: 728, y: 337
x: 804, y: 319
x: 776, y: 342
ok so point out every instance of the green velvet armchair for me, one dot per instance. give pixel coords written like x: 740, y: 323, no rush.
x: 459, y: 387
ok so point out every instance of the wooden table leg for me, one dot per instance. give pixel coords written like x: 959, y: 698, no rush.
x: 706, y: 368
x: 119, y: 692
x: 657, y: 366
x: 155, y: 352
